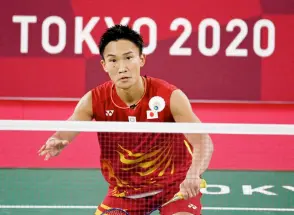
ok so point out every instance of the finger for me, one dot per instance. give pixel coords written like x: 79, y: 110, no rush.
x: 190, y: 189
x: 190, y: 192
x: 46, y: 147
x: 42, y: 148
x: 65, y: 142
x: 194, y: 191
x: 197, y: 188
x: 47, y: 157
x: 184, y: 192
x: 44, y: 152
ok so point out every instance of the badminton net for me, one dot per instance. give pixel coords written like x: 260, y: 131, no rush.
x: 134, y: 160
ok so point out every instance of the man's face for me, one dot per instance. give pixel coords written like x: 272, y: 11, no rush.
x: 123, y: 62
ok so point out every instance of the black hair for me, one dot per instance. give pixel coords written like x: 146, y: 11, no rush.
x: 118, y: 32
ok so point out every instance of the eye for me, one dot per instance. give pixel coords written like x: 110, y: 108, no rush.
x: 112, y: 60
x: 129, y: 57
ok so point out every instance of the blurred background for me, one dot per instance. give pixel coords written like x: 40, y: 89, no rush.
x: 233, y: 59
x: 214, y: 50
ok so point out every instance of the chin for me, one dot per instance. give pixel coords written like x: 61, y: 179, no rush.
x: 124, y: 86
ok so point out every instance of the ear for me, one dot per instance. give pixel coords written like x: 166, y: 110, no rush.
x: 103, y: 65
x: 142, y: 60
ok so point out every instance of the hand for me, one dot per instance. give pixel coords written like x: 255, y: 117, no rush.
x: 52, y: 147
x: 190, y: 187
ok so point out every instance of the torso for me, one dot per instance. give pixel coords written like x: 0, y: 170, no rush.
x: 139, y: 162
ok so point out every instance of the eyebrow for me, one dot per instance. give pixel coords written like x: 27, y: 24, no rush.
x: 112, y: 55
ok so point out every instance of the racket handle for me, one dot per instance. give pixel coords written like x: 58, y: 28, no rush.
x: 203, y: 184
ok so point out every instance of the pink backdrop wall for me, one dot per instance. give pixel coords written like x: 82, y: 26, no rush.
x: 47, y: 61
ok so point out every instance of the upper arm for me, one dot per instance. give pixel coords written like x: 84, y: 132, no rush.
x: 83, y: 110
x: 181, y: 108
x: 182, y: 112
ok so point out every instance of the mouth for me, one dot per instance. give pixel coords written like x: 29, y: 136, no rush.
x: 124, y: 78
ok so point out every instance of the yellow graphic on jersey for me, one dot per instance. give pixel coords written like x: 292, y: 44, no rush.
x: 188, y: 147
x: 148, y: 163
x: 131, y: 153
x: 158, y: 161
x: 106, y: 165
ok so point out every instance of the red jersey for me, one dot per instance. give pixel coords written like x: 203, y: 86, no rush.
x: 134, y: 163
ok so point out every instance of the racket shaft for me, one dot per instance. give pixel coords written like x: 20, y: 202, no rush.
x: 176, y: 198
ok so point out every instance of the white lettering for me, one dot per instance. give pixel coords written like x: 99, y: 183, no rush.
x: 176, y: 48
x: 24, y: 30
x: 264, y: 23
x: 221, y: 190
x: 289, y: 188
x: 46, y: 35
x: 248, y: 190
x: 233, y: 49
x: 152, y: 33
x: 215, y: 37
x: 82, y: 35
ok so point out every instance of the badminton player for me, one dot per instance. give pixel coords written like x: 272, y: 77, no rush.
x: 143, y: 170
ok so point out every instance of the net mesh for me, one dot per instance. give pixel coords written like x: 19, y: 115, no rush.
x: 115, y: 212
x: 140, y: 160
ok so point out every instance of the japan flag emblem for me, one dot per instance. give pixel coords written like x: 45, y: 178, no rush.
x: 152, y: 114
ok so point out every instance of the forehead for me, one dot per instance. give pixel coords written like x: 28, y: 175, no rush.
x: 120, y: 47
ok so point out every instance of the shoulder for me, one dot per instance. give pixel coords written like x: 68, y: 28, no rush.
x: 102, y: 91
x: 104, y: 86
x: 100, y: 95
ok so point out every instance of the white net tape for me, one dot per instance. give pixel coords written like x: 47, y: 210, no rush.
x: 149, y: 127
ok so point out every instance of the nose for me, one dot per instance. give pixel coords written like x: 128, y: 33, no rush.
x: 122, y: 67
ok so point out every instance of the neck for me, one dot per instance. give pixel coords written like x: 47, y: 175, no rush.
x: 133, y: 94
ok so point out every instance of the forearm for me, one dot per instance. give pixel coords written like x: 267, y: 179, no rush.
x: 202, y: 153
x: 65, y: 135
x: 70, y: 135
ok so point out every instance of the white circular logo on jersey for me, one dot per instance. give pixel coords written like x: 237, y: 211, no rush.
x: 156, y: 104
